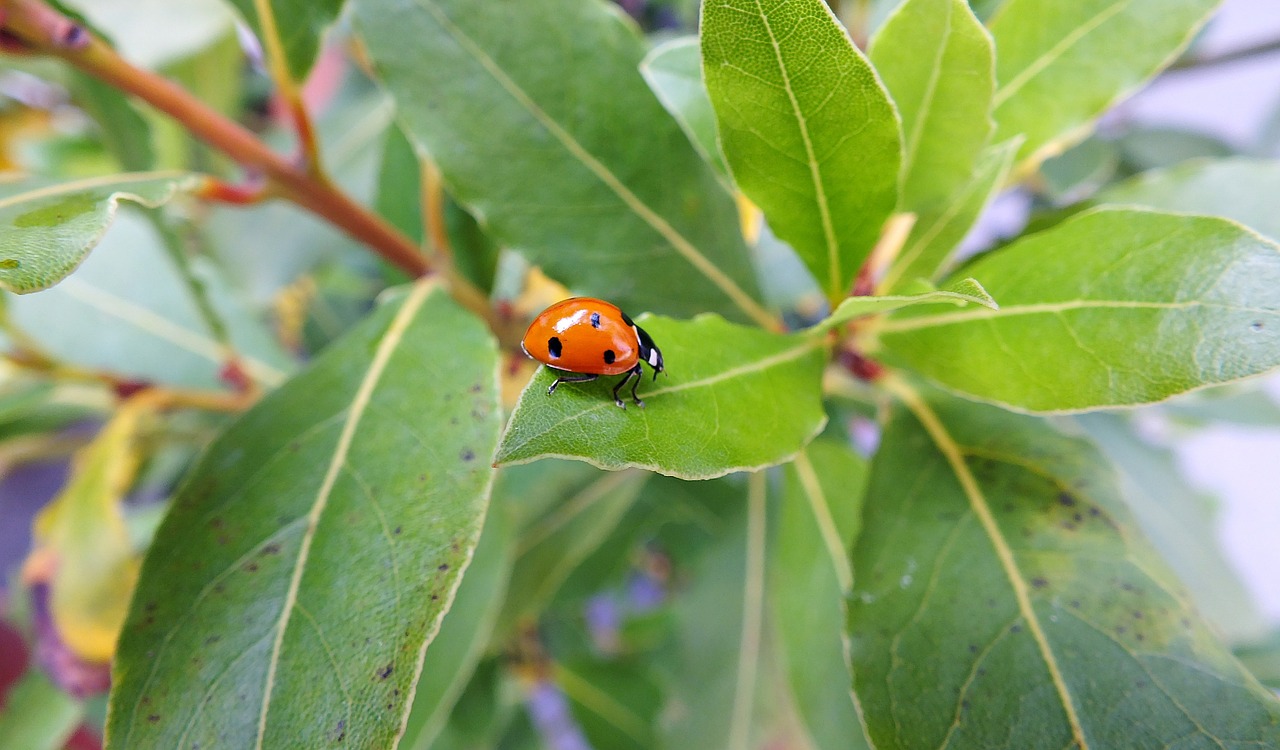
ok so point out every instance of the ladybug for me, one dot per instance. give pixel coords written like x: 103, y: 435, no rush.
x: 591, y: 337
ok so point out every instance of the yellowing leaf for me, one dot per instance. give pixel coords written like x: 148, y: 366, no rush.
x: 81, y: 535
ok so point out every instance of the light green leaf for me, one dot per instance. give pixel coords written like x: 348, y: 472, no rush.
x: 937, y: 62
x: 809, y: 578
x: 673, y: 70
x: 37, y: 715
x: 48, y: 228
x: 807, y: 130
x: 938, y: 231
x: 1240, y: 189
x: 1109, y: 308
x: 1060, y: 65
x: 307, y: 560
x: 1003, y: 599
x: 731, y: 398
x: 1263, y: 659
x: 125, y: 132
x: 1181, y: 524
x: 466, y: 629
x: 146, y: 324
x: 561, y: 150
x: 960, y: 294
x: 298, y: 26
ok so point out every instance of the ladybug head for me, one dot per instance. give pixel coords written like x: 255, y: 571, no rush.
x: 649, y: 351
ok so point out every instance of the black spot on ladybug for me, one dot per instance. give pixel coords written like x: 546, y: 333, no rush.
x: 386, y: 671
x: 595, y: 320
x: 554, y: 347
x: 609, y: 356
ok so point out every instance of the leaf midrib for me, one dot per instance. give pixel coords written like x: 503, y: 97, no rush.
x: 834, y: 282
x: 359, y: 404
x: 1042, y: 308
x: 90, y: 183
x: 651, y: 217
x: 1055, y: 52
x: 950, y: 449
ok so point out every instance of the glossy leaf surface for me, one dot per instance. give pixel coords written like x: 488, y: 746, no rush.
x: 730, y: 398
x: 1109, y: 308
x: 944, y: 96
x: 1004, y: 599
x: 562, y: 150
x: 1060, y: 65
x: 308, y: 558
x: 807, y: 129
x: 47, y: 228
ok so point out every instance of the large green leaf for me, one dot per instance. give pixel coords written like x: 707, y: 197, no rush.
x: 1180, y: 523
x: 807, y: 129
x: 47, y: 228
x: 466, y: 629
x: 562, y: 150
x: 297, y: 26
x: 309, y: 557
x: 1108, y: 308
x: 673, y: 70
x: 938, y: 231
x: 943, y: 96
x: 731, y: 398
x: 1240, y: 189
x: 809, y: 578
x: 1003, y: 599
x: 1059, y: 65
x: 145, y: 323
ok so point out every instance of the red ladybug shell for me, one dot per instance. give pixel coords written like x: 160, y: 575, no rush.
x: 583, y: 334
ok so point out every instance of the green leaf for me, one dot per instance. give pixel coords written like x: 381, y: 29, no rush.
x: 807, y: 130
x: 48, y: 228
x: 616, y: 702
x: 146, y: 324
x: 937, y: 62
x: 938, y: 231
x: 1263, y: 659
x: 399, y: 196
x: 555, y: 544
x: 809, y: 578
x: 1060, y: 65
x: 960, y: 294
x: 37, y: 715
x: 1180, y: 523
x: 1239, y: 189
x: 298, y: 26
x: 465, y: 630
x: 562, y: 151
x: 1003, y: 599
x: 307, y: 560
x: 126, y: 134
x: 673, y: 70
x: 1109, y: 308
x: 731, y: 398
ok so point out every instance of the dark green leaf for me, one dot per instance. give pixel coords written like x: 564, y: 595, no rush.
x: 807, y: 130
x: 47, y: 228
x: 307, y: 560
x: 731, y: 398
x: 937, y: 61
x: 1181, y: 524
x: 1003, y: 599
x: 616, y: 702
x: 1108, y: 308
x: 1059, y: 65
x: 125, y: 132
x: 465, y: 631
x: 562, y: 150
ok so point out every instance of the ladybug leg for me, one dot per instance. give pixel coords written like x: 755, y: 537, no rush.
x: 634, y: 384
x: 579, y: 379
x: 619, y: 385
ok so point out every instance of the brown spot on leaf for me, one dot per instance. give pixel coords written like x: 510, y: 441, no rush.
x: 386, y: 671
x: 1039, y: 582
x: 468, y: 455
x: 153, y: 718
x: 271, y: 549
x: 443, y: 567
x: 1067, y: 499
